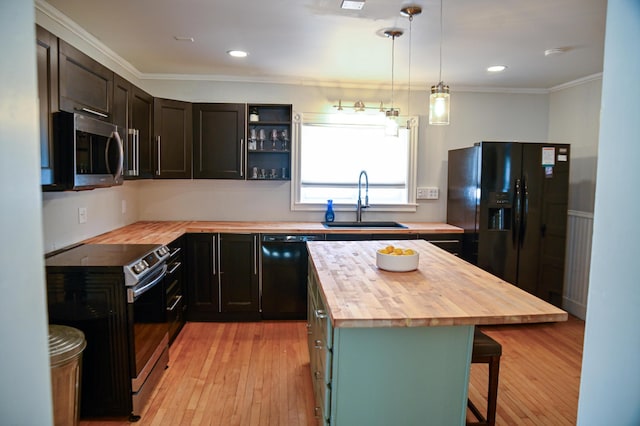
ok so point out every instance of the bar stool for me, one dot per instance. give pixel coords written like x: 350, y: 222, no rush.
x: 486, y: 351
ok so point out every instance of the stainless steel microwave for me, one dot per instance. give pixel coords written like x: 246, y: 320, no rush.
x: 88, y: 153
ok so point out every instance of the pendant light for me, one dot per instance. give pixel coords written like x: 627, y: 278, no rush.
x: 410, y: 12
x: 392, y: 113
x: 439, y: 101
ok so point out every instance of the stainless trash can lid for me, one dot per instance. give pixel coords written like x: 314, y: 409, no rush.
x: 65, y: 343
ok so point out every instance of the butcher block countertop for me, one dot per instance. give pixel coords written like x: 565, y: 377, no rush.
x: 165, y: 232
x: 443, y: 291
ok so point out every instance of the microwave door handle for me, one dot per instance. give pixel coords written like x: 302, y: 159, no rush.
x: 118, y: 173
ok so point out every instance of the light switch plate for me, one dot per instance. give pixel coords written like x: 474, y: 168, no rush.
x: 428, y: 193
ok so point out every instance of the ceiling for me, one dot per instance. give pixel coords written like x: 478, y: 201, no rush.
x: 317, y: 42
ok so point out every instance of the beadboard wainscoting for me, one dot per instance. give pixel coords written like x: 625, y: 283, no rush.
x: 576, y: 288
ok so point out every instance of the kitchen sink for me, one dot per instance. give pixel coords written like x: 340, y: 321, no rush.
x: 363, y: 225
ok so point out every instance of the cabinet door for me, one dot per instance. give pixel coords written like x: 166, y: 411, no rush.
x: 133, y: 114
x: 218, y: 147
x: 47, y: 61
x: 85, y: 84
x: 173, y: 132
x: 120, y: 117
x: 239, y: 273
x: 202, y: 272
x: 141, y: 111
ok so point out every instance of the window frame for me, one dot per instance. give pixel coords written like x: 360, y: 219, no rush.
x: 323, y: 118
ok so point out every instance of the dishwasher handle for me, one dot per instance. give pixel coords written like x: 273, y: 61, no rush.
x: 282, y: 238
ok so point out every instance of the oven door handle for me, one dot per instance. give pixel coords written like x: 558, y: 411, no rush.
x: 133, y: 294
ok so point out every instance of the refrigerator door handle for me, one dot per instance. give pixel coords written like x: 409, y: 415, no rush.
x: 525, y: 211
x: 515, y: 229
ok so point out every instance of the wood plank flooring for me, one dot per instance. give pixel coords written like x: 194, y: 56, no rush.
x: 258, y: 374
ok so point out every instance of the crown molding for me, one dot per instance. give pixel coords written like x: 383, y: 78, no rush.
x: 71, y: 26
x: 578, y: 82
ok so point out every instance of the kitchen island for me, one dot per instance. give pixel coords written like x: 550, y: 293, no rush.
x: 395, y: 347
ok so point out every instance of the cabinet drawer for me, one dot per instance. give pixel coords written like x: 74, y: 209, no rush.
x: 449, y: 242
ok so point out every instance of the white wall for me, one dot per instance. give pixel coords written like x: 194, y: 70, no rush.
x: 574, y: 117
x: 104, y: 213
x: 610, y: 379
x: 25, y: 386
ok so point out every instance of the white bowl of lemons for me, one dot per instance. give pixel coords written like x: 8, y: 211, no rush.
x: 396, y: 259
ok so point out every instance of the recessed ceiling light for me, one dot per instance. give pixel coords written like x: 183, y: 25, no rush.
x: 184, y: 38
x: 352, y: 4
x: 237, y: 53
x: 496, y: 68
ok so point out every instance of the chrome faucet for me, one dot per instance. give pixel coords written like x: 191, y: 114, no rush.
x: 360, y: 206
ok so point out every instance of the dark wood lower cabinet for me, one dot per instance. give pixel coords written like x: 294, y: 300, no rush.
x: 449, y: 242
x: 239, y: 291
x: 223, y: 277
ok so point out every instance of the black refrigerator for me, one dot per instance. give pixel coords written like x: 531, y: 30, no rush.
x: 511, y: 200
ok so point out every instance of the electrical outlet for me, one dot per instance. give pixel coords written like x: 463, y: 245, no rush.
x: 430, y: 193
x: 124, y: 206
x: 82, y: 215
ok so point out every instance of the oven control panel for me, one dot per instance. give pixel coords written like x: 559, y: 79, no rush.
x: 135, y: 271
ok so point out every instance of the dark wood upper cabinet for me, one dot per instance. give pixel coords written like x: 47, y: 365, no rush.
x: 173, y: 139
x: 269, y: 142
x: 47, y: 63
x: 218, y: 144
x: 85, y: 84
x: 133, y: 114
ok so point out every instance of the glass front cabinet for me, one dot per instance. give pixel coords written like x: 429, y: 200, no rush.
x: 268, y: 142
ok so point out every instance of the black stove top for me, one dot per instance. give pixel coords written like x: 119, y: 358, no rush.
x: 136, y: 261
x: 102, y: 255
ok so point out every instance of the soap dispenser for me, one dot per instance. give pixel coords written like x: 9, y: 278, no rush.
x: 329, y: 216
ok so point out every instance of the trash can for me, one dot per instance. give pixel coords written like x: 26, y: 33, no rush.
x: 65, y: 353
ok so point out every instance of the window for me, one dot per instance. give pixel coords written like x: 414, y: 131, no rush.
x: 332, y: 149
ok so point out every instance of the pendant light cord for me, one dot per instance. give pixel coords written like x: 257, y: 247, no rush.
x: 393, y: 60
x: 440, y: 79
x: 409, y: 92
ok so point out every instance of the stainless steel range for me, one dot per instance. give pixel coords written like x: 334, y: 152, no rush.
x: 114, y: 293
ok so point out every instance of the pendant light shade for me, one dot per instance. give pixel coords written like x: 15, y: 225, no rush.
x: 439, y: 100
x: 439, y: 104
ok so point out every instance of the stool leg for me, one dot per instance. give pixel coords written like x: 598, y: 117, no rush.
x: 492, y: 399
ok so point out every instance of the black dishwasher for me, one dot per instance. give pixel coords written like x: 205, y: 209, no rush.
x: 284, y: 276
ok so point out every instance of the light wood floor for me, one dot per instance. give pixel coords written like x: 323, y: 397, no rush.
x: 258, y: 374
